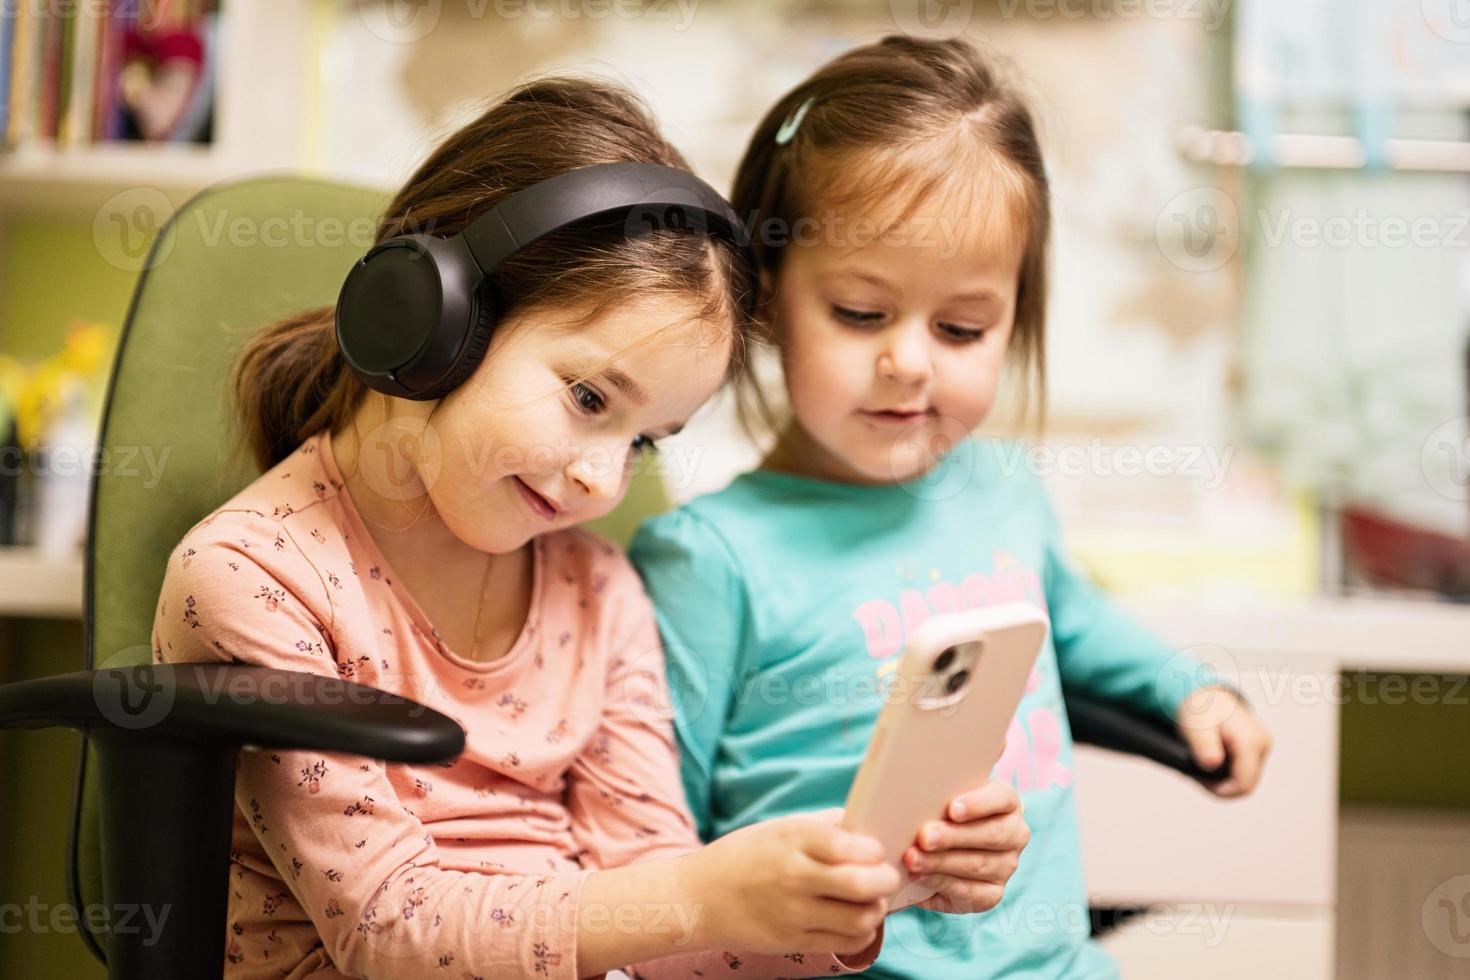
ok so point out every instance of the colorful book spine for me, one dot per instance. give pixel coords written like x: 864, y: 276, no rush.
x: 61, y: 65
x: 8, y: 15
x: 24, y: 74
x: 77, y: 128
x: 52, y: 30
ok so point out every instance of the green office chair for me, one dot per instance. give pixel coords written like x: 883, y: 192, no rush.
x: 156, y: 775
x: 155, y: 783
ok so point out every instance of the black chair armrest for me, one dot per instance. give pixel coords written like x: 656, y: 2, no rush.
x: 255, y: 707
x: 166, y: 739
x: 1109, y: 726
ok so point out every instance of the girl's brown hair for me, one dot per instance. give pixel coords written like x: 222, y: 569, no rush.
x: 290, y: 380
x: 901, y: 116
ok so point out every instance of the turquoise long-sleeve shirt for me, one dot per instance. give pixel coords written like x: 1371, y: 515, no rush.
x: 784, y: 601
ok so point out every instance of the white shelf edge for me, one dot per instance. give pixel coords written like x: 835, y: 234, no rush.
x: 33, y: 584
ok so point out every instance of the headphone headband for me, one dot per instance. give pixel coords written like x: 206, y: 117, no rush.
x: 415, y: 316
x: 646, y: 192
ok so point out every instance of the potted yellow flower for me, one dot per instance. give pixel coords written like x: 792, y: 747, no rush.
x: 48, y: 423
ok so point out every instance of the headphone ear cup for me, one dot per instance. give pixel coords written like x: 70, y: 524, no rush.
x: 479, y: 342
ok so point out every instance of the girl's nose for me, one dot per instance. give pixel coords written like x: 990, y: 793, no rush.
x: 598, y: 471
x: 904, y: 358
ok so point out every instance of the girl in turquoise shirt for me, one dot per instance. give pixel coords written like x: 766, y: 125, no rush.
x: 899, y: 206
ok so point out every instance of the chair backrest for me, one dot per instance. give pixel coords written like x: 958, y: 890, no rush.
x: 233, y: 259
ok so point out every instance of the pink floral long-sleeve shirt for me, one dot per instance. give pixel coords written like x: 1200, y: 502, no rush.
x: 346, y: 866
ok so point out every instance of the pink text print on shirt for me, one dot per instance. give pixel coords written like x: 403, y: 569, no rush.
x: 1032, y: 758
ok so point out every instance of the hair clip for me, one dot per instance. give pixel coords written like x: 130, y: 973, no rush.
x: 788, y: 128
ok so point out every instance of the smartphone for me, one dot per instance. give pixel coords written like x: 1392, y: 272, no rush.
x: 943, y: 725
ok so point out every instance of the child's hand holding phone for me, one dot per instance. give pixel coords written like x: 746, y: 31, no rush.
x: 971, y: 854
x: 795, y: 884
x: 922, y: 788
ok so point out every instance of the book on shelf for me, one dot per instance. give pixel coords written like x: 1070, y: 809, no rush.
x: 97, y: 71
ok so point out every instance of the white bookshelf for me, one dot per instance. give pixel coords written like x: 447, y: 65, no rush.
x: 264, y: 87
x: 82, y: 182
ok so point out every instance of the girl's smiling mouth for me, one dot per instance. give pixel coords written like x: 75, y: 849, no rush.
x: 537, y: 502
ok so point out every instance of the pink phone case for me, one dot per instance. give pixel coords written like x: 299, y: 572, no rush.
x: 931, y: 744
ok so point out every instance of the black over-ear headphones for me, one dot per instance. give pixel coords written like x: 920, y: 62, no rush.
x: 415, y: 314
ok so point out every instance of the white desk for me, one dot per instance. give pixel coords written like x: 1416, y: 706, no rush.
x: 1249, y: 887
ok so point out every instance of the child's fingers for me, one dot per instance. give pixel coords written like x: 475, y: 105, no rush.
x: 996, y: 833
x: 1249, y: 743
x: 832, y: 845
x: 832, y: 816
x: 957, y: 896
x: 988, y: 799
x: 982, y: 866
x: 1205, y: 745
x: 851, y: 920
x: 853, y: 882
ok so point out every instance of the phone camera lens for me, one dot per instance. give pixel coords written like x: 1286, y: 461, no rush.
x: 945, y: 659
x: 957, y: 680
